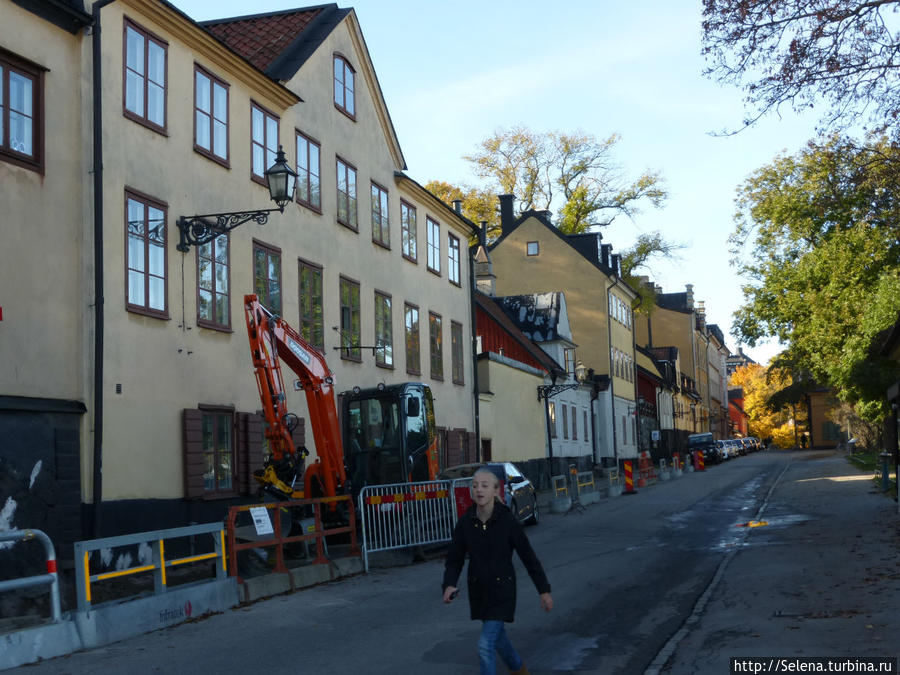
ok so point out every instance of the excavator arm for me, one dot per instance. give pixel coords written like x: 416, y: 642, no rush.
x: 272, y: 340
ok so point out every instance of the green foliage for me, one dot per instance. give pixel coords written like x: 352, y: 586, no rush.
x: 645, y: 248
x: 818, y: 238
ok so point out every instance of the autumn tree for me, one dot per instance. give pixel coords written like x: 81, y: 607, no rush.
x: 840, y: 54
x: 769, y: 418
x: 477, y: 204
x: 576, y: 173
x: 817, y: 238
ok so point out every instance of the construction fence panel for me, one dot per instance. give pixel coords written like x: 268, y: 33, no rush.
x: 402, y: 515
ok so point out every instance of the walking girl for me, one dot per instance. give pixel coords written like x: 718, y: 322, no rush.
x: 488, y: 532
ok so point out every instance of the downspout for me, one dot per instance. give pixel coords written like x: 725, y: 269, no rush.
x: 97, y: 65
x: 612, y: 384
x: 474, y: 356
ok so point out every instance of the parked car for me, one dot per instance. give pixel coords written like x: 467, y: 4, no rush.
x: 706, y: 444
x: 519, y: 493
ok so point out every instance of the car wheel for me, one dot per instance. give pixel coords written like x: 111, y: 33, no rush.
x: 535, y: 514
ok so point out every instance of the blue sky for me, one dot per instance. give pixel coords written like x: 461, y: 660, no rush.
x: 453, y: 73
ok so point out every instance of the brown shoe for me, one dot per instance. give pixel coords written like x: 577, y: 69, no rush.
x: 521, y: 671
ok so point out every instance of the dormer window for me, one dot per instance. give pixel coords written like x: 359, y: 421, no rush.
x: 344, y: 87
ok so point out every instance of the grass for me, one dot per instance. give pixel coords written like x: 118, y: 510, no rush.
x: 871, y: 461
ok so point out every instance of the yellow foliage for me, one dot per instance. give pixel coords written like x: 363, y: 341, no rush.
x: 783, y: 437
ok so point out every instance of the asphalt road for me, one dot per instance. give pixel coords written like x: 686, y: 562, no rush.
x: 667, y: 580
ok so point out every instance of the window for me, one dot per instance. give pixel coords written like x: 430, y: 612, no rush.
x: 453, y: 259
x: 146, y: 255
x: 267, y: 276
x: 565, y: 420
x: 210, y: 115
x: 384, y: 332
x: 21, y: 112
x: 344, y: 96
x: 408, y: 231
x: 346, y: 194
x: 434, y: 245
x: 381, y: 232
x: 350, y: 330
x: 213, y: 296
x: 456, y: 353
x: 533, y: 248
x: 584, y: 413
x: 436, y: 346
x: 309, y: 171
x: 551, y: 407
x: 263, y: 141
x: 411, y: 320
x: 569, y: 358
x: 574, y: 423
x: 145, y: 77
x: 311, y: 313
x: 216, y: 428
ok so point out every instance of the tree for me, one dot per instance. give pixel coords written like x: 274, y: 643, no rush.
x: 477, y: 205
x: 645, y: 248
x: 838, y: 53
x: 823, y: 232
x: 772, y: 411
x: 575, y: 172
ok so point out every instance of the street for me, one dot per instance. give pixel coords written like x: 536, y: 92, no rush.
x: 668, y: 580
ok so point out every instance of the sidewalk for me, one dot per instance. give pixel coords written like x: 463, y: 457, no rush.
x: 821, y: 578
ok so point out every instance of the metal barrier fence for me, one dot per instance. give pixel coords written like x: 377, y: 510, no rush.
x: 49, y: 579
x: 585, y: 487
x: 313, y: 530
x: 158, y: 564
x: 401, y: 515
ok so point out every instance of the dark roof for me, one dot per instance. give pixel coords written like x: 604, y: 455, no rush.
x: 278, y: 43
x: 535, y: 314
x: 664, y: 353
x: 496, y: 312
x: 673, y: 301
x: 715, y: 330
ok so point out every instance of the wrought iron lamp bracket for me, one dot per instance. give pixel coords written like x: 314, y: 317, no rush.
x: 199, y: 230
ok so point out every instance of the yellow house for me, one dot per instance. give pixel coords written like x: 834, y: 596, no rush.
x: 532, y: 256
x: 128, y: 335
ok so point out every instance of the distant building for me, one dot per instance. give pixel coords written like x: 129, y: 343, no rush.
x: 735, y: 361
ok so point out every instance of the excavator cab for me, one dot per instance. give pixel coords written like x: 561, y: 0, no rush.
x: 389, y: 435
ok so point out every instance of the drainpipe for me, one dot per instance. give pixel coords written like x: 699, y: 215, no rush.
x: 612, y: 384
x: 97, y: 64
x: 458, y: 208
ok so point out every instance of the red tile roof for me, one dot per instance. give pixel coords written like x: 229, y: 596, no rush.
x: 261, y: 39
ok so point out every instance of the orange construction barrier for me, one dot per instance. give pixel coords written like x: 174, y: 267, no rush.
x: 701, y: 462
x: 629, y: 478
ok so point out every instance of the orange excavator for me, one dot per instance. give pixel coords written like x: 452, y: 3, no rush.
x: 388, y: 431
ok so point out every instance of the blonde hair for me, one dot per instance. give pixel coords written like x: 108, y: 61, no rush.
x: 490, y: 473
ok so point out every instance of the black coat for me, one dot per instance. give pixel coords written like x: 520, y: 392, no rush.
x: 491, y: 577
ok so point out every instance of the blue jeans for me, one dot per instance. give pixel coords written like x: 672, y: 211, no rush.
x: 494, y: 639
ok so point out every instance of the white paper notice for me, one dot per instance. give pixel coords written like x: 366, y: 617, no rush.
x: 261, y: 522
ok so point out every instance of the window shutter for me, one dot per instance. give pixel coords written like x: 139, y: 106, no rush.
x: 193, y: 453
x: 248, y: 450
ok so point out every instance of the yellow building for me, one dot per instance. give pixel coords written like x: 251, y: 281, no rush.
x: 123, y: 336
x: 532, y: 256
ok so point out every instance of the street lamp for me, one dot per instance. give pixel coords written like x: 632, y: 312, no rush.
x: 199, y: 230
x: 545, y: 391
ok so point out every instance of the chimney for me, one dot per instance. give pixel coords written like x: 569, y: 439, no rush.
x: 690, y: 295
x: 457, y: 206
x: 701, y: 314
x: 506, y: 213
x: 547, y: 215
x: 615, y: 264
x: 485, y: 280
x: 604, y: 254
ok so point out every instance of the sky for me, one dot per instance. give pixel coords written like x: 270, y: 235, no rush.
x: 452, y: 74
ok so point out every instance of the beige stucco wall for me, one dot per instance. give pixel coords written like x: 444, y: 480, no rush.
x: 558, y: 267
x: 513, y: 398
x: 165, y: 366
x: 45, y: 290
